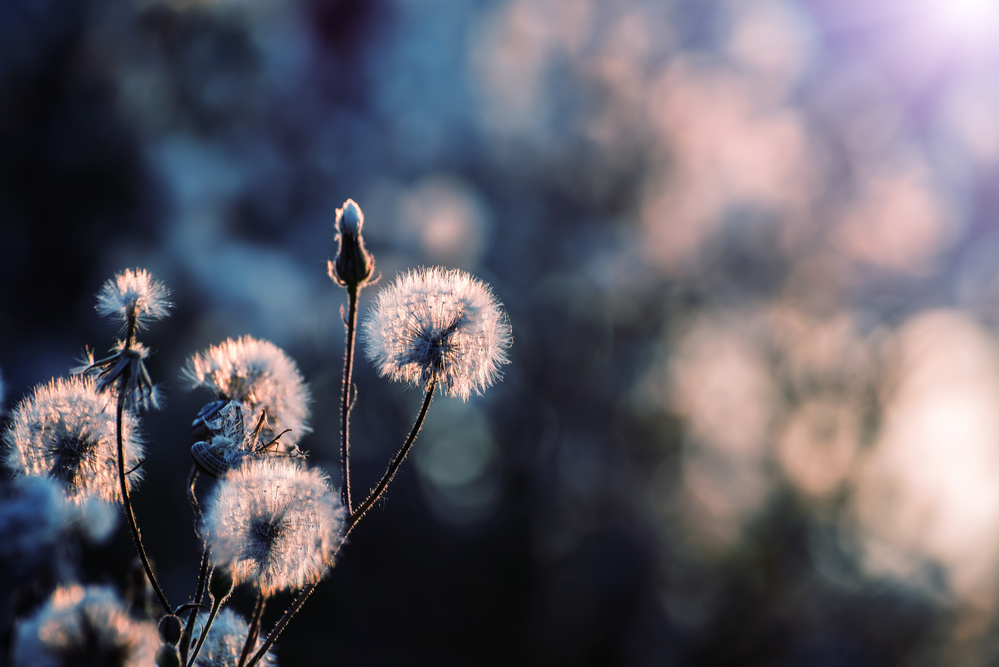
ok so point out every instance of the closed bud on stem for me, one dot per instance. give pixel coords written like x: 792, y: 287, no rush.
x: 170, y: 629
x: 221, y: 584
x: 354, y: 265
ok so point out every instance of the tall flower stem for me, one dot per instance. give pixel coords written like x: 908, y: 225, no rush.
x: 352, y: 520
x: 185, y: 642
x: 303, y: 595
x: 254, y: 631
x: 125, y: 501
x: 347, y: 394
x: 218, y: 599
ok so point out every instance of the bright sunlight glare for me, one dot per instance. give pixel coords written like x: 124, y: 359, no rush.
x: 968, y: 19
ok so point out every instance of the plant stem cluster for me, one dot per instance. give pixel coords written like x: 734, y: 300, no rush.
x: 271, y: 522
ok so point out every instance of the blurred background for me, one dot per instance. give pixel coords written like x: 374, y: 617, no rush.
x: 749, y: 253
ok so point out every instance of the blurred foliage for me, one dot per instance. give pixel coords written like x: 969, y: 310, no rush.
x: 748, y: 252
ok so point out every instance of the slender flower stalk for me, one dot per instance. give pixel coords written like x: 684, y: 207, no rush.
x: 353, y: 270
x: 136, y: 297
x: 254, y: 630
x: 129, y: 514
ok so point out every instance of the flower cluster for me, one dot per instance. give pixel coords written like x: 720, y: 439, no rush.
x: 270, y: 522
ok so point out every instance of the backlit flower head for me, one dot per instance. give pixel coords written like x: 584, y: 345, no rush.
x: 134, y: 294
x: 258, y: 374
x: 225, y: 641
x: 66, y: 430
x: 84, y: 626
x: 440, y: 325
x: 274, y: 523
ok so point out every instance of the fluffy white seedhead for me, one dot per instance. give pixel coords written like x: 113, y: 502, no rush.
x: 35, y: 515
x: 274, y: 523
x: 435, y: 324
x: 66, y: 430
x: 134, y: 293
x: 84, y: 626
x: 258, y: 374
x: 225, y: 640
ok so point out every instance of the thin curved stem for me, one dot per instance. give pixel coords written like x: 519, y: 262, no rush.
x: 192, y: 479
x: 303, y: 595
x: 185, y: 642
x: 127, y: 503
x: 346, y: 394
x: 216, y: 605
x: 351, y: 522
x: 354, y: 517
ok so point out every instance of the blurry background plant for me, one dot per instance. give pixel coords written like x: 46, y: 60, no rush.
x: 747, y: 249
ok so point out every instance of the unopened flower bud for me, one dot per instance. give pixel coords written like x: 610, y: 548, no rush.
x: 221, y: 585
x: 354, y: 265
x: 170, y: 629
x: 351, y: 219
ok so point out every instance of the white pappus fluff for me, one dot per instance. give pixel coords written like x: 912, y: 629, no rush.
x: 438, y: 325
x: 225, y: 640
x: 83, y: 626
x: 258, y: 374
x: 134, y: 293
x: 274, y: 523
x: 66, y: 430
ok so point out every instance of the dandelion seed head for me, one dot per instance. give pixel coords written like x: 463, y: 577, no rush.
x: 225, y: 640
x: 134, y: 293
x: 441, y: 325
x: 83, y: 626
x: 66, y: 430
x: 275, y: 523
x: 258, y: 374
